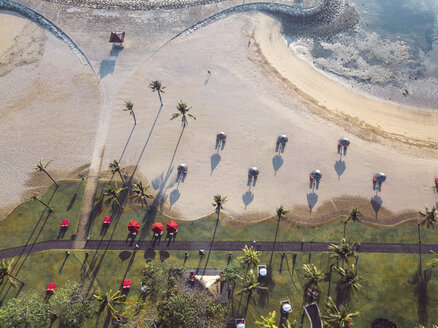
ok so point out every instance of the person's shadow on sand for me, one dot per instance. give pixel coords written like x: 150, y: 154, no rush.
x: 174, y: 196
x: 340, y: 167
x: 247, y: 198
x: 312, y: 199
x: 376, y: 203
x: 277, y: 162
x: 214, y: 159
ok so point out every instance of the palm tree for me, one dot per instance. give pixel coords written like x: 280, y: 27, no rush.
x: 268, y: 321
x: 250, y: 257
x: 129, y: 107
x: 343, y: 251
x: 41, y: 167
x: 108, y: 301
x: 250, y: 285
x: 183, y: 111
x: 140, y: 194
x: 338, y: 317
x: 281, y: 214
x: 156, y: 86
x: 349, y: 282
x: 218, y: 203
x: 429, y: 217
x: 115, y: 167
x: 35, y: 197
x: 354, y: 216
x: 113, y: 193
x: 6, y: 273
x: 313, y: 275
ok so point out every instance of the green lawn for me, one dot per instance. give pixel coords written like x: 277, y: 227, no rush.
x: 389, y: 289
x: 29, y: 222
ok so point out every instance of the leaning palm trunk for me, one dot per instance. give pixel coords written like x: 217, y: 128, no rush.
x: 159, y: 96
x: 121, y: 177
x: 50, y: 177
x: 47, y: 206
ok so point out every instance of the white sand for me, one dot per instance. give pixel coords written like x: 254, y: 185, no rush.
x: 246, y: 102
x: 48, y: 108
x: 10, y: 28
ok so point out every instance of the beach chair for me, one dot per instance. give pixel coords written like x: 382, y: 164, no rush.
x: 51, y: 287
x: 312, y: 311
x: 107, y: 220
x: 285, y: 307
x: 126, y: 284
x: 65, y: 223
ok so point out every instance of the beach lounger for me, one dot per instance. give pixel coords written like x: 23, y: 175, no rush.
x: 65, y: 223
x: 51, y: 286
x: 312, y: 311
x: 126, y: 284
x: 107, y: 220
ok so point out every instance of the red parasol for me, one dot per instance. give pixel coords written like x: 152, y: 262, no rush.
x: 157, y: 228
x: 133, y: 226
x: 172, y: 227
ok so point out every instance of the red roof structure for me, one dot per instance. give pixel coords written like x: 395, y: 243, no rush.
x: 172, y: 227
x: 157, y: 228
x: 117, y: 37
x: 133, y: 226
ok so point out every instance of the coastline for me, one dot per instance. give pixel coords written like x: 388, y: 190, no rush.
x: 329, y: 97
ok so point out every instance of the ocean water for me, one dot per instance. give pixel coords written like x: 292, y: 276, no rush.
x: 392, y: 53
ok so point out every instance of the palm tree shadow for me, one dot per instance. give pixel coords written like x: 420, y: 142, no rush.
x: 174, y: 196
x: 214, y: 159
x: 127, y: 142
x: 312, y: 199
x: 420, y: 280
x: 247, y: 198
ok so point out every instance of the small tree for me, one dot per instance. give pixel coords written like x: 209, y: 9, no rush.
x: 35, y: 197
x: 41, y: 167
x: 250, y: 285
x: 343, y: 251
x: 6, y: 268
x: 354, y: 216
x: 112, y: 191
x: 183, y: 111
x: 250, y: 257
x: 129, y: 107
x: 141, y: 194
x: 338, y: 317
x: 429, y: 217
x: 157, y: 87
x: 108, y: 301
x: 115, y: 167
x: 218, y: 203
x: 268, y: 321
x: 312, y: 275
x: 231, y: 273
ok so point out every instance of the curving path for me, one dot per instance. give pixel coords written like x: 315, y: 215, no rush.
x: 217, y: 246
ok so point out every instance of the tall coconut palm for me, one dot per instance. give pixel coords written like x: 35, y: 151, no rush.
x: 129, y: 107
x: 107, y: 301
x: 141, y: 195
x: 429, y: 217
x: 249, y: 286
x: 250, y: 257
x: 268, y: 321
x: 35, y: 197
x: 156, y: 86
x: 343, y: 251
x: 281, y: 214
x: 183, y: 111
x: 6, y: 268
x: 115, y: 167
x: 312, y: 275
x: 338, y: 317
x: 349, y: 282
x: 112, y: 191
x: 354, y: 216
x: 41, y: 167
x: 218, y: 203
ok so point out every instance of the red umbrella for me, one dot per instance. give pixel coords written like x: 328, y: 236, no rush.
x: 157, y: 228
x: 133, y: 226
x: 172, y: 227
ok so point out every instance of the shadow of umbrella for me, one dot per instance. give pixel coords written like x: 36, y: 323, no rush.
x: 174, y: 196
x: 247, y: 198
x: 214, y: 159
x: 277, y: 162
x: 312, y: 199
x: 376, y: 203
x: 340, y: 167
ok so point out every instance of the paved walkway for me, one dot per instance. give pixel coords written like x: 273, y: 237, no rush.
x: 217, y: 246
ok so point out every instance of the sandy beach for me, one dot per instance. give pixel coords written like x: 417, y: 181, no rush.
x: 242, y: 100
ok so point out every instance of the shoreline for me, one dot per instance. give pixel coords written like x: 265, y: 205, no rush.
x: 331, y: 99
